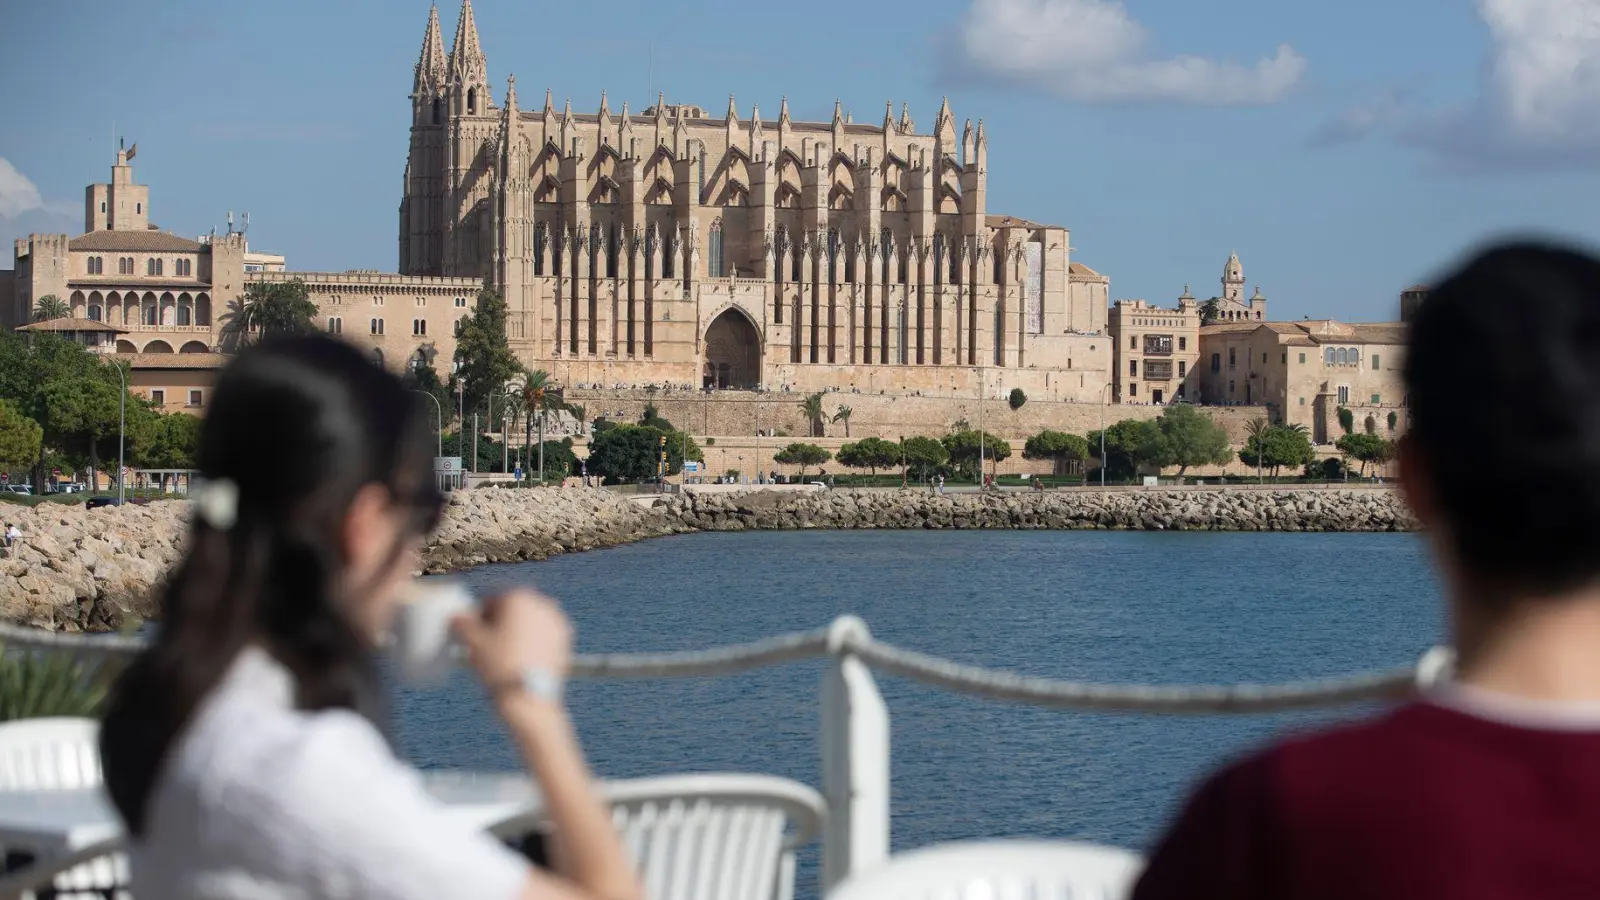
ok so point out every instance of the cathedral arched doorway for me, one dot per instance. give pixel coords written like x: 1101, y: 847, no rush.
x: 733, y: 353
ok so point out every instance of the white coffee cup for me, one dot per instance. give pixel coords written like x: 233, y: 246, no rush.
x: 423, y: 645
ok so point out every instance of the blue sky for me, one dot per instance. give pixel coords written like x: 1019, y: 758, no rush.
x: 1345, y: 150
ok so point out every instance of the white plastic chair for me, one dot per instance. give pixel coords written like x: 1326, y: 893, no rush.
x: 49, y: 754
x: 709, y: 837
x: 61, y: 753
x: 999, y: 870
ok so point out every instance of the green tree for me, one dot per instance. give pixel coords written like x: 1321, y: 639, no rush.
x: 1366, y: 449
x: 632, y: 452
x: 870, y: 453
x: 651, y: 418
x: 1279, y: 446
x: 924, y: 457
x: 483, y: 357
x: 1394, y: 419
x: 1255, y: 440
x: 843, y: 415
x: 812, y: 407
x: 1130, y: 444
x: 36, y: 685
x: 965, y: 446
x: 1192, y: 438
x: 50, y: 307
x: 802, y: 455
x: 1056, y: 446
x: 20, y: 438
x: 1347, y: 420
x: 174, y: 442
x: 1210, y: 310
x: 268, y: 308
x: 1017, y: 398
x: 1370, y: 424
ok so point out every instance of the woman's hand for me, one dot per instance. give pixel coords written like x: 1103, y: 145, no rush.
x: 514, y: 632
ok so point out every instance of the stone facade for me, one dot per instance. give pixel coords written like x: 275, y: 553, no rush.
x: 1304, y: 371
x: 176, y: 382
x: 1156, y: 351
x: 161, y: 289
x: 671, y: 246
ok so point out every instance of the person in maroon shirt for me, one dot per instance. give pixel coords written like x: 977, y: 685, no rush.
x: 1488, y: 786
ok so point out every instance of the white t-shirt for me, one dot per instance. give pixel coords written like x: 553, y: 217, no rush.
x: 261, y: 801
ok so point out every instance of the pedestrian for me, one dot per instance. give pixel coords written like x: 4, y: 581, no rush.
x: 12, y: 535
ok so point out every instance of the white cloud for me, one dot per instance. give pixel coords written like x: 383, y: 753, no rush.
x: 1538, y: 101
x: 1092, y: 51
x: 17, y: 194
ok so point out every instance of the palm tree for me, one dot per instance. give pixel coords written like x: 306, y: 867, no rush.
x: 540, y: 397
x: 843, y: 415
x: 812, y: 407
x: 268, y: 308
x: 50, y: 307
x: 1258, y: 429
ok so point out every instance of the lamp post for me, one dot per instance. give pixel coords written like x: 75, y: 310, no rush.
x: 122, y: 428
x: 440, y: 410
x: 1103, y: 403
x: 902, y: 462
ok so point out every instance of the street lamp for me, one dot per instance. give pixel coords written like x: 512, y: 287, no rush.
x: 122, y: 428
x: 440, y: 410
x: 1103, y: 402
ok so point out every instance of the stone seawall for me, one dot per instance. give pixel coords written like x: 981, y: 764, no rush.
x: 80, y: 569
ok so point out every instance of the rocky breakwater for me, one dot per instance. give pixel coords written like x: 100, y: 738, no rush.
x: 1148, y: 510
x: 89, y: 570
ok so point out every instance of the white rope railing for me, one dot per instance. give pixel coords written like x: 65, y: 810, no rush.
x: 977, y: 681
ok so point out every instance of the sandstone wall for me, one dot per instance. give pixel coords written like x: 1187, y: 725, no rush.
x: 881, y: 415
x: 80, y: 569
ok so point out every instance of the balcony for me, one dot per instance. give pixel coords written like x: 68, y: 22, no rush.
x: 1158, y: 345
x: 1158, y: 370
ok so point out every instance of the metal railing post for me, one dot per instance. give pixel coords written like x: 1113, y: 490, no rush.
x: 855, y: 759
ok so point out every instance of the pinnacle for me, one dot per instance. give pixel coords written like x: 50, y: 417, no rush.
x: 467, y: 48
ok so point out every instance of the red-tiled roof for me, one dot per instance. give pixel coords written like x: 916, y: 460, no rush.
x: 71, y: 324
x: 137, y: 241
x: 173, y: 360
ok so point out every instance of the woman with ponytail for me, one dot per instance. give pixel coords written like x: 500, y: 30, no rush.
x: 243, y: 749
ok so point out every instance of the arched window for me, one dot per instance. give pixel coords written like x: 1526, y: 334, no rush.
x: 1355, y: 356
x: 833, y: 256
x: 794, y: 262
x: 1327, y: 356
x: 185, y: 315
x: 472, y: 100
x: 436, y: 110
x: 94, y: 312
x: 714, y: 251
x: 1341, y: 356
x: 938, y: 256
x: 539, y: 241
x: 613, y: 243
x: 886, y: 242
x: 955, y: 262
x: 667, y: 257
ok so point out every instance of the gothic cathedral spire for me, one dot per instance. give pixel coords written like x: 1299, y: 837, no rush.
x: 468, y: 68
x: 430, y: 63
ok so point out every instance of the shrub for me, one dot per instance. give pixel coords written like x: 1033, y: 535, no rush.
x: 1017, y: 398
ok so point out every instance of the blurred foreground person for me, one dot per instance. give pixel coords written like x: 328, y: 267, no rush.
x: 241, y: 749
x: 1488, y: 786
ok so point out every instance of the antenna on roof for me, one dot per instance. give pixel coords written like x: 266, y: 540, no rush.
x: 246, y: 224
x: 230, y: 221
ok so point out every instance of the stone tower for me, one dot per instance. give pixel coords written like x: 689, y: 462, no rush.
x: 1233, y: 279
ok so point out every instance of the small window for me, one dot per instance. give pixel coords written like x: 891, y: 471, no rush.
x: 1285, y: 357
x: 1263, y: 359
x: 1216, y: 362
x: 158, y: 397
x: 1327, y: 357
x: 375, y: 326
x: 1231, y: 358
x: 419, y: 327
x: 1302, y: 399
x: 1375, y: 362
x: 1183, y: 343
x: 194, y: 398
x: 422, y: 301
x: 1302, y: 362
x: 377, y: 301
x: 1133, y: 389
x: 1133, y: 342
x: 102, y: 206
x: 1230, y: 387
x: 1344, y: 395
x: 138, y: 208
x: 1183, y: 368
x: 1377, y: 400
x: 1133, y: 367
x: 335, y: 325
x: 461, y: 302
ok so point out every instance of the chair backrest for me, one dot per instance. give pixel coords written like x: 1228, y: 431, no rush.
x: 710, y: 837
x: 49, y: 754
x: 999, y: 870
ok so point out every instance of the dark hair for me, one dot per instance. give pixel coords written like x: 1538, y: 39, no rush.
x: 299, y: 425
x: 1503, y: 379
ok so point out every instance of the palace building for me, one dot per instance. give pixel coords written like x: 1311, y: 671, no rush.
x: 669, y: 245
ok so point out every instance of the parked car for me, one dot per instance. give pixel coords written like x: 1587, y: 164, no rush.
x: 17, y: 489
x: 97, y: 502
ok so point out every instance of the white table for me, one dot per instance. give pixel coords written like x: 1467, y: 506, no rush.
x: 52, y: 824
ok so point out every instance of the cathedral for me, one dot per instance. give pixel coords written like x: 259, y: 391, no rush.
x: 671, y: 246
